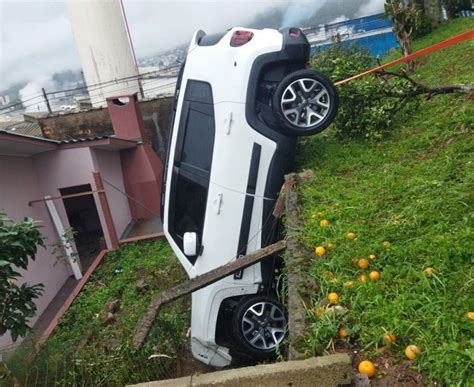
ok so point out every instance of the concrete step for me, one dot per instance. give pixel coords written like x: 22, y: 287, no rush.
x: 325, y: 371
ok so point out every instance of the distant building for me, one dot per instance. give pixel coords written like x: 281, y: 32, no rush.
x: 4, y: 100
x: 372, y: 32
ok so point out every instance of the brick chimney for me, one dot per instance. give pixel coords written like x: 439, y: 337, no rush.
x: 126, y: 117
x: 142, y: 169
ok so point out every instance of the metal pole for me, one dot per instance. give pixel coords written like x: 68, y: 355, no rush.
x: 46, y: 100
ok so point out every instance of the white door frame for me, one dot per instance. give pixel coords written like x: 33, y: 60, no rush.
x: 58, y: 224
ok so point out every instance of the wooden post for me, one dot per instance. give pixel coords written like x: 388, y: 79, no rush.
x: 197, y: 283
x: 104, y: 204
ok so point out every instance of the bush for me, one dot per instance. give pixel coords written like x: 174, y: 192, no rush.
x: 365, y: 110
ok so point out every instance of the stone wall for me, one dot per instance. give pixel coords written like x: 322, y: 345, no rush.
x: 96, y: 122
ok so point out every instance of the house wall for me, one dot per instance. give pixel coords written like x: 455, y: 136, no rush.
x: 109, y: 165
x: 64, y: 168
x: 19, y: 184
x: 74, y: 166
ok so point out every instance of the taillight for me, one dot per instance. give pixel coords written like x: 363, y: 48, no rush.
x: 239, y: 38
x: 295, y: 33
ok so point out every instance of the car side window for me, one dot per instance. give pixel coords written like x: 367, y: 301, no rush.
x: 192, y: 163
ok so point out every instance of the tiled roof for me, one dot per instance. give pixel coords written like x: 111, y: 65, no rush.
x: 26, y: 128
x: 84, y: 139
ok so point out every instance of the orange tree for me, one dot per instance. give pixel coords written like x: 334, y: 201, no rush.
x: 18, y: 245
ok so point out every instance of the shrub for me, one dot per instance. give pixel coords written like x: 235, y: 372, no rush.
x: 365, y: 110
x: 18, y: 244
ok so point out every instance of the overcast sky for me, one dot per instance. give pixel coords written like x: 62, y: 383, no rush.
x: 36, y: 38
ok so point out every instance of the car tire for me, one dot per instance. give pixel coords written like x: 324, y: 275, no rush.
x: 259, y: 325
x: 305, y: 102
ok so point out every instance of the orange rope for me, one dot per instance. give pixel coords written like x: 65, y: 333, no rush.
x: 446, y: 43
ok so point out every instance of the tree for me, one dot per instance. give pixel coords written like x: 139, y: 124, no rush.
x: 18, y: 244
x: 454, y: 6
x: 433, y: 11
x: 407, y: 18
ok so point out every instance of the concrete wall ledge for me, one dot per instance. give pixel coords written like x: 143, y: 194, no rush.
x: 325, y: 371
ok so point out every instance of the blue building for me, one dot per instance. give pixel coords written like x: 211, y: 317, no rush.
x: 372, y: 32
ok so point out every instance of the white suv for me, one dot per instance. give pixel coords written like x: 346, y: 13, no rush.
x: 242, y: 98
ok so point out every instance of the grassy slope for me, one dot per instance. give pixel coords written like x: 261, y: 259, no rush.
x: 102, y: 354
x: 414, y: 190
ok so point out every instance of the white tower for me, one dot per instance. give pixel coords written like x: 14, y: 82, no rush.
x: 105, y: 48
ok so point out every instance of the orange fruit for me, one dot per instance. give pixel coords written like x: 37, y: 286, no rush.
x: 374, y: 276
x: 362, y: 278
x: 386, y: 244
x: 333, y: 298
x: 363, y: 263
x: 320, y: 251
x: 348, y: 283
x: 319, y: 311
x: 351, y: 235
x: 372, y: 257
x: 389, y: 338
x: 366, y: 367
x: 429, y: 271
x: 324, y: 223
x: 412, y: 351
x: 470, y: 315
x: 342, y: 332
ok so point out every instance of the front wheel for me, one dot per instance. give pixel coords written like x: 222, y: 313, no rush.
x: 260, y: 326
x: 305, y: 102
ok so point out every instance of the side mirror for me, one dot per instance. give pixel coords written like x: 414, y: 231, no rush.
x: 190, y: 244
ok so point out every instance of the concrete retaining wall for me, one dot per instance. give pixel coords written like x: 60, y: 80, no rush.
x: 325, y: 371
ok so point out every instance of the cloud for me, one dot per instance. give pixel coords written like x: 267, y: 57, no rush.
x: 36, y: 37
x: 371, y: 7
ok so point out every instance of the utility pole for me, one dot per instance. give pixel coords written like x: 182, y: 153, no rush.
x: 46, y: 100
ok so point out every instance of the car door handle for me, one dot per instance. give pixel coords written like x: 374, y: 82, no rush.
x: 228, y: 123
x: 218, y: 203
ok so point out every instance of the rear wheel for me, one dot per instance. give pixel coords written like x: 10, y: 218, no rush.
x: 305, y: 102
x: 260, y: 325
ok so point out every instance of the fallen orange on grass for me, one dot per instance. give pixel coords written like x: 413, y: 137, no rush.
x: 342, y: 332
x: 319, y: 311
x: 363, y: 263
x: 389, y: 338
x: 412, y: 351
x: 362, y: 278
x: 470, y: 315
x: 348, y: 283
x: 366, y: 367
x: 386, y: 244
x: 320, y: 251
x: 374, y: 276
x: 429, y: 271
x: 351, y: 235
x: 333, y: 298
x: 372, y: 257
x: 324, y: 223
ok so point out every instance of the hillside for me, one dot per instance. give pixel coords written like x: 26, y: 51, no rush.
x: 412, y: 190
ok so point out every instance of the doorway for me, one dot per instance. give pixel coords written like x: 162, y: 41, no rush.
x: 84, y: 219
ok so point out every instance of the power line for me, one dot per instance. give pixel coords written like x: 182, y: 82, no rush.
x: 125, y: 89
x: 95, y: 86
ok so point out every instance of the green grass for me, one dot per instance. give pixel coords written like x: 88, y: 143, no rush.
x: 413, y: 189
x: 83, y: 350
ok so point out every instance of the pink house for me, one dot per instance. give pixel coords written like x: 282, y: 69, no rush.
x: 98, y: 186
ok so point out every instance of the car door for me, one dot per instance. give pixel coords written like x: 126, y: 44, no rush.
x: 191, y: 165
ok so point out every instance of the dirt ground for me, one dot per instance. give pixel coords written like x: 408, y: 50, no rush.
x: 392, y: 373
